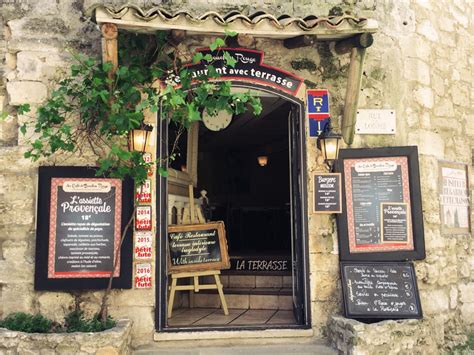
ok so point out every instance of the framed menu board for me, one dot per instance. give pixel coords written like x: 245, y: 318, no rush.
x: 382, y: 214
x: 197, y: 247
x: 380, y: 290
x: 80, y: 220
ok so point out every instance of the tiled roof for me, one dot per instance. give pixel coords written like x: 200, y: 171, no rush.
x: 258, y: 24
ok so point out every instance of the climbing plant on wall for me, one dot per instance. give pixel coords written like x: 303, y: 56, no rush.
x: 94, y: 107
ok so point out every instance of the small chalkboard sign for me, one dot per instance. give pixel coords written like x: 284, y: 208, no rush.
x: 327, y: 196
x: 196, y: 247
x: 380, y: 290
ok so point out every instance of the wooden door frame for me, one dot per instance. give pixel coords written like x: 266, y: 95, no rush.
x: 161, y: 274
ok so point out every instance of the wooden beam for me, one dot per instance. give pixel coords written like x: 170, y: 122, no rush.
x: 241, y: 40
x: 363, y: 40
x: 352, y: 94
x: 177, y: 36
x: 299, y: 41
x: 109, y: 46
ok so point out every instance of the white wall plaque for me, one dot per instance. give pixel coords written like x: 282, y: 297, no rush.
x: 372, y: 121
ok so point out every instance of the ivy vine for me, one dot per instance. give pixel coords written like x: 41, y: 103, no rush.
x: 96, y: 107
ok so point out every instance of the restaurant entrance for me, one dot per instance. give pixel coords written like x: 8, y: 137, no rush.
x: 249, y: 174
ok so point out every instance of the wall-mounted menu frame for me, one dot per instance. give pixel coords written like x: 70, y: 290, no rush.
x: 80, y: 219
x: 197, y: 247
x: 382, y: 216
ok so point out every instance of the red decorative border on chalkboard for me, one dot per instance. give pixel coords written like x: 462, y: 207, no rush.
x: 383, y: 246
x: 55, y: 183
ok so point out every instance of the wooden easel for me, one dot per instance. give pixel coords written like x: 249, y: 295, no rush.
x: 193, y: 214
x: 196, y: 287
x: 189, y: 216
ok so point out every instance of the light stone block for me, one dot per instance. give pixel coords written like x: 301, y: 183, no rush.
x: 429, y: 143
x: 22, y: 92
x: 55, y: 305
x: 444, y: 107
x: 37, y: 65
x: 434, y: 301
x: 17, y: 297
x: 424, y: 96
x: 467, y: 313
x: 143, y: 322
x: 453, y: 297
x: 466, y: 292
x: 427, y: 29
x: 324, y: 286
x: 417, y: 70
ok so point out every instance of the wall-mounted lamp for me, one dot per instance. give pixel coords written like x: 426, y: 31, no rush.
x: 262, y: 160
x: 139, y: 139
x: 329, y: 143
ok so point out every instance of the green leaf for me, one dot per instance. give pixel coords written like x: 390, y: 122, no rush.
x: 107, y: 66
x: 193, y: 113
x: 208, y: 57
x: 22, y: 109
x: 197, y: 57
x: 163, y: 172
x: 230, y: 33
x: 3, y: 115
x: 122, y: 71
x: 23, y: 128
x: 212, y: 72
x: 229, y: 60
x: 219, y: 42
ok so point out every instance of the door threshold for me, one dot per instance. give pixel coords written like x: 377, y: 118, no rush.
x: 226, y: 335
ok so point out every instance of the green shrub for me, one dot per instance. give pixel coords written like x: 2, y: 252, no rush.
x: 27, y: 323
x: 75, y: 322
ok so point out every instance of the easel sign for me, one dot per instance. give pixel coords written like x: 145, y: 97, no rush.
x: 196, y: 247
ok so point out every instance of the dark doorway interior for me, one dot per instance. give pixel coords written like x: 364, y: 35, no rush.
x: 255, y: 202
x: 252, y: 200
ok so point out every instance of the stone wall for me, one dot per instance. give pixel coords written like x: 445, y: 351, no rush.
x: 420, y: 65
x: 113, y: 341
x: 387, y: 337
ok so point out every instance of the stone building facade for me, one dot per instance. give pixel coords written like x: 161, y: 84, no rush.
x: 420, y: 65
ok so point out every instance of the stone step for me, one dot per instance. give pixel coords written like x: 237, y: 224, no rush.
x: 285, y: 291
x: 252, y: 281
x: 243, y: 301
x: 266, y: 349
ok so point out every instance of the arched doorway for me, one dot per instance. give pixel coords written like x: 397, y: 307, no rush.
x: 239, y: 214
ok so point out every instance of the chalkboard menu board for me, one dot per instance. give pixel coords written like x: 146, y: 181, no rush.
x: 380, y: 290
x: 327, y: 193
x: 195, y: 247
x: 84, y: 228
x: 79, y: 226
x: 382, y: 214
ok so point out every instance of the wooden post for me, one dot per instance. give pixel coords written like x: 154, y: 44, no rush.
x: 191, y: 203
x: 352, y: 94
x: 109, y: 46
